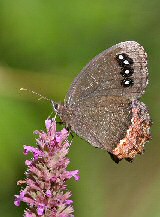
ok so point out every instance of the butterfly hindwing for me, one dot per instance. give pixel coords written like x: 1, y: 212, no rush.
x: 102, y: 121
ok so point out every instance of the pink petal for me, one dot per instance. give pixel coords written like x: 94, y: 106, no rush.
x: 40, y: 210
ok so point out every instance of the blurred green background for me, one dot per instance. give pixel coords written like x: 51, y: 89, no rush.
x: 43, y: 46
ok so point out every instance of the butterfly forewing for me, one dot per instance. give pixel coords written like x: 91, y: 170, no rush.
x: 107, y: 74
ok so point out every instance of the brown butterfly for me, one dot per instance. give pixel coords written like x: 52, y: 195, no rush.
x: 102, y: 105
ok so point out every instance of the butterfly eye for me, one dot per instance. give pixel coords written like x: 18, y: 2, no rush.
x: 127, y: 72
x: 127, y: 82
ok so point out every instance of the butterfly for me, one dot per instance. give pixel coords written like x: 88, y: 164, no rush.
x: 102, y: 105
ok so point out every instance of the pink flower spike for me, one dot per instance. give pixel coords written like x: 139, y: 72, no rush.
x: 44, y: 188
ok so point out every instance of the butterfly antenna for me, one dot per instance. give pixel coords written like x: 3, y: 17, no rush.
x: 38, y: 94
x: 54, y: 104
